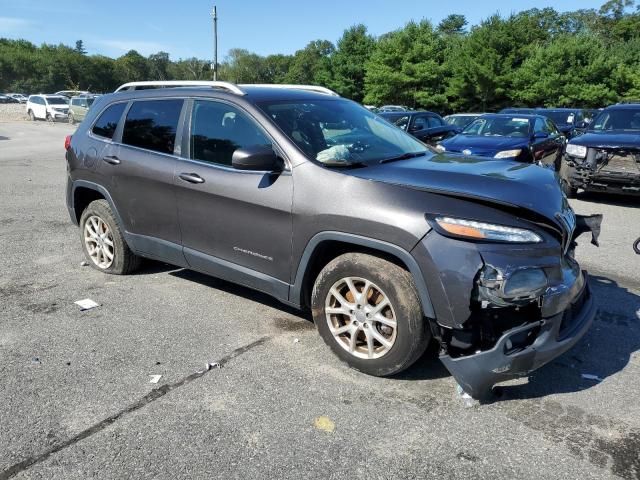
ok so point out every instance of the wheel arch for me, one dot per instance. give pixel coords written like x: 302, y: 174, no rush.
x: 84, y: 192
x: 326, y: 246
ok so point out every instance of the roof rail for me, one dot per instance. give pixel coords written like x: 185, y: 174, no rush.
x: 310, y: 88
x: 180, y: 83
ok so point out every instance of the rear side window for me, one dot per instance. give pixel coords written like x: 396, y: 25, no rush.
x: 152, y: 125
x: 218, y: 129
x: 106, y: 124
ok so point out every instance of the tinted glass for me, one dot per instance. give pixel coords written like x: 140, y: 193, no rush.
x: 561, y: 117
x: 106, y: 124
x: 617, y: 119
x: 152, y: 125
x: 339, y: 132
x: 218, y: 130
x: 57, y: 100
x: 498, y: 127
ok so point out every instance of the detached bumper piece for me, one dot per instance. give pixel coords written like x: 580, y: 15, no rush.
x: 524, y: 349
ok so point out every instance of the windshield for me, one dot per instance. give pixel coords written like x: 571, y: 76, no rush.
x: 460, y: 120
x: 559, y: 117
x: 340, y: 132
x: 498, y: 127
x: 57, y: 100
x: 617, y: 119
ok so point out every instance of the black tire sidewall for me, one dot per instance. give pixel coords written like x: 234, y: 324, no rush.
x: 412, y: 334
x: 101, y: 208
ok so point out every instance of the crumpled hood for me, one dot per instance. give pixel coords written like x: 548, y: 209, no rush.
x: 505, y: 182
x: 481, y: 145
x: 615, y: 139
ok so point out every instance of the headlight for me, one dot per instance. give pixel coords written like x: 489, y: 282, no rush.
x: 440, y: 148
x: 508, y: 153
x: 486, y: 231
x: 579, y: 151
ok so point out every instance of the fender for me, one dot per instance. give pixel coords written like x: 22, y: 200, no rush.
x: 295, y: 291
x: 98, y: 188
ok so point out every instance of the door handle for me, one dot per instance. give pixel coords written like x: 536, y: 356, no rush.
x: 191, y: 177
x: 111, y: 159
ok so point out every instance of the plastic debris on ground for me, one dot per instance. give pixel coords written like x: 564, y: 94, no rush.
x: 35, y: 360
x: 467, y: 400
x: 590, y: 376
x: 155, y: 378
x: 86, y: 304
x: 296, y: 340
x: 84, y: 263
x: 325, y: 424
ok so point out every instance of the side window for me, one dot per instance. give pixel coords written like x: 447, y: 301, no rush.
x: 106, y: 124
x: 551, y: 128
x: 218, y: 130
x: 434, y: 122
x: 152, y: 125
x: 540, y: 126
x: 420, y: 123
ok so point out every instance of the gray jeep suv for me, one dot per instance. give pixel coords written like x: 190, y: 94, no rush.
x: 311, y: 198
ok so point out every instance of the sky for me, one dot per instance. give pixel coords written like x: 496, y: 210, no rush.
x: 184, y: 28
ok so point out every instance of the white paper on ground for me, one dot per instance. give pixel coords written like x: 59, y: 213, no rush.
x: 86, y: 304
x: 155, y: 378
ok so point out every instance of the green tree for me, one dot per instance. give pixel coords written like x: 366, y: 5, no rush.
x: 312, y: 64
x: 453, y: 24
x: 158, y: 64
x: 348, y: 62
x: 80, y: 47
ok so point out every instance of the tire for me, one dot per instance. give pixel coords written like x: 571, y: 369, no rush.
x: 49, y: 118
x: 569, y: 191
x: 123, y: 261
x: 32, y: 117
x: 405, y: 342
x: 71, y: 119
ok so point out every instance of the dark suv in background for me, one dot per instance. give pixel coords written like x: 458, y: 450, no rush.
x: 322, y: 204
x: 607, y: 157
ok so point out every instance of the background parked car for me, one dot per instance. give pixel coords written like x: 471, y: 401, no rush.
x: 607, y: 157
x: 392, y: 108
x: 72, y: 93
x: 18, y: 96
x: 47, y: 107
x: 525, y: 138
x: 519, y: 110
x: 461, y: 120
x: 570, y: 121
x: 7, y: 99
x: 428, y: 127
x: 79, y: 106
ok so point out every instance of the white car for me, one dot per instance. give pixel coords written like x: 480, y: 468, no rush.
x: 48, y: 107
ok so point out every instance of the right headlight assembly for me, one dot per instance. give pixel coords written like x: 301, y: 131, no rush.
x: 486, y: 231
x: 579, y: 151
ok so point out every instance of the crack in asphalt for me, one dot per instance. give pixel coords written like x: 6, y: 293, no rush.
x: 152, y: 396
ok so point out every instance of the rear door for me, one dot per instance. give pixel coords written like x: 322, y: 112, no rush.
x: 138, y: 168
x: 235, y: 224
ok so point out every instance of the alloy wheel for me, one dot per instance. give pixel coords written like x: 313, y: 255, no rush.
x: 361, y: 318
x: 98, y: 241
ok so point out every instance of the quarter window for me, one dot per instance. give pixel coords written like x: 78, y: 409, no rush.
x: 218, y: 130
x: 152, y: 125
x: 107, y: 123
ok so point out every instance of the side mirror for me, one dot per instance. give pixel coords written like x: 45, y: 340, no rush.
x: 540, y: 135
x: 256, y: 157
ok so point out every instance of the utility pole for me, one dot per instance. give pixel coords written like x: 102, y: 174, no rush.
x: 214, y: 65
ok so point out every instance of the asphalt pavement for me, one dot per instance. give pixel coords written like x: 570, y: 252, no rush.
x: 76, y: 399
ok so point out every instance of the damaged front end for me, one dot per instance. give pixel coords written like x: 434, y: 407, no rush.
x: 523, y: 307
x: 606, y: 169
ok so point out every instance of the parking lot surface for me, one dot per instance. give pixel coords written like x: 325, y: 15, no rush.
x: 76, y: 399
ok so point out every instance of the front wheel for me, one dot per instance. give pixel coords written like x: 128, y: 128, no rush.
x: 368, y: 311
x: 103, y: 244
x: 32, y: 117
x: 71, y: 119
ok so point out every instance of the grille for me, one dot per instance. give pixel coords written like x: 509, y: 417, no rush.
x: 620, y: 162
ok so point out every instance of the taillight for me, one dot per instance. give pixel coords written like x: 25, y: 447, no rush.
x: 67, y: 142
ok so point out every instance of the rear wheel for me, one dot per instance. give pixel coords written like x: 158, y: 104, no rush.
x: 368, y: 311
x: 103, y: 244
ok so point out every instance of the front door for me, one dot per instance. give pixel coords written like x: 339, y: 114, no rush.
x: 235, y: 224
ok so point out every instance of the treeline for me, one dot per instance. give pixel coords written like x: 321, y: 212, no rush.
x: 539, y: 57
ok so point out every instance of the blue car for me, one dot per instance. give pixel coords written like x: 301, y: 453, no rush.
x: 525, y: 138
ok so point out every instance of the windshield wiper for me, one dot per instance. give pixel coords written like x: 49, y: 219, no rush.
x: 404, y: 156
